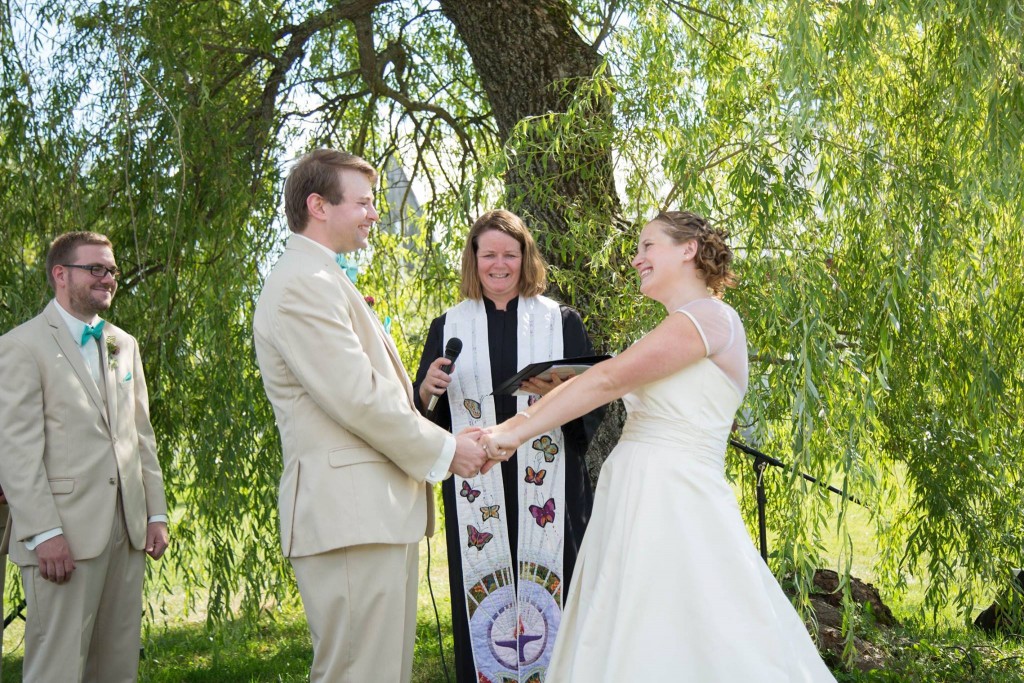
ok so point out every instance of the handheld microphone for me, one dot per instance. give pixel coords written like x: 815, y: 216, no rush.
x: 451, y: 351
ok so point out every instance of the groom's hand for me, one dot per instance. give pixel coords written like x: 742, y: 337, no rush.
x: 469, y: 455
x: 156, y: 539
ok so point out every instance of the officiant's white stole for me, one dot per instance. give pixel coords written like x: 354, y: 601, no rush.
x: 513, y: 615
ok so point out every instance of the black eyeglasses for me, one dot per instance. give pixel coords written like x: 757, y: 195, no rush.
x: 97, y: 270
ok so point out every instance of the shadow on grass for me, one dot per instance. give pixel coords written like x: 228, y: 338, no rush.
x: 276, y: 649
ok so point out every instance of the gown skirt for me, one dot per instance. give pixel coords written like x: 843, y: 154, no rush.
x: 668, y: 585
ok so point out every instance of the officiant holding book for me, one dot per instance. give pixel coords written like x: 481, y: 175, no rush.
x: 514, y: 532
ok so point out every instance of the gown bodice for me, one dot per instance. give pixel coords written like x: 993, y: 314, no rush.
x: 691, y: 409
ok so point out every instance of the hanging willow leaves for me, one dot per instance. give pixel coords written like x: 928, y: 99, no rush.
x: 866, y: 157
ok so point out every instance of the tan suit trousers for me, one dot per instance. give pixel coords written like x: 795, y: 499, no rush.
x: 88, y: 629
x: 360, y: 603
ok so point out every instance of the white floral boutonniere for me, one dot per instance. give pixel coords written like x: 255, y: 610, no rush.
x: 112, y: 350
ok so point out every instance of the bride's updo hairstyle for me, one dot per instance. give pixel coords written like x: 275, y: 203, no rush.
x: 713, y: 258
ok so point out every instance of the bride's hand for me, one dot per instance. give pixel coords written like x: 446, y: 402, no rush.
x: 499, y: 446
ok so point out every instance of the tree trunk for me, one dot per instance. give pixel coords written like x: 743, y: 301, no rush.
x: 532, y: 62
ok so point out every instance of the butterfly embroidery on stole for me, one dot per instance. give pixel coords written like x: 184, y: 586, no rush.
x: 473, y: 407
x: 489, y: 512
x: 547, y: 447
x: 544, y: 514
x: 477, y: 539
x: 468, y: 492
x: 534, y: 476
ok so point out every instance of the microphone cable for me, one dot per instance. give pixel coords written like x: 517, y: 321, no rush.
x: 437, y: 617
x: 451, y: 352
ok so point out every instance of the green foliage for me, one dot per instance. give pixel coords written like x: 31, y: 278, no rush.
x: 192, y: 224
x: 866, y: 157
x: 867, y: 160
x: 950, y: 657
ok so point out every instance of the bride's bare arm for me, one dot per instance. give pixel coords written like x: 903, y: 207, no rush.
x: 667, y: 349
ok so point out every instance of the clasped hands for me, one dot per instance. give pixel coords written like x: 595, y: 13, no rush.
x: 499, y: 445
x: 477, y: 450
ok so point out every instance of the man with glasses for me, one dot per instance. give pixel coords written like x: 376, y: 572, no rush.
x: 79, y: 469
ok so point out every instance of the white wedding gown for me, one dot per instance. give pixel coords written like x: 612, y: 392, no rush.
x: 668, y: 585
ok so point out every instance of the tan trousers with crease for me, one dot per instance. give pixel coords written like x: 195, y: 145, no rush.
x: 360, y: 603
x: 88, y: 629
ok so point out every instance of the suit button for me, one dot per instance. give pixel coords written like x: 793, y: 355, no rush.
x: 113, y: 481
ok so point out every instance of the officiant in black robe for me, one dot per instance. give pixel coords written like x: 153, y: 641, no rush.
x: 501, y: 264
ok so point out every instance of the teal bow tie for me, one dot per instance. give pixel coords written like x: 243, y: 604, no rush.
x: 92, y: 332
x: 351, y: 269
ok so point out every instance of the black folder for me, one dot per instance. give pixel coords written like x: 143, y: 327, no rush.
x: 544, y: 369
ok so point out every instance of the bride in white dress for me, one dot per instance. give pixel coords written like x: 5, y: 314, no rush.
x: 668, y: 585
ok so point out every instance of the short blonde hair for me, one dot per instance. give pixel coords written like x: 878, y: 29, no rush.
x: 533, y: 276
x: 318, y: 172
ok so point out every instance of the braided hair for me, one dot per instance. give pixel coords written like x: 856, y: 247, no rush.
x: 714, y: 256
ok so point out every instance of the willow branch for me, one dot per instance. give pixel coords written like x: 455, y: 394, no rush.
x: 299, y: 35
x: 368, y: 65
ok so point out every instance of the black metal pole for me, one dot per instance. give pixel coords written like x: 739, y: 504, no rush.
x: 758, y: 455
x: 16, y: 613
x: 760, y: 465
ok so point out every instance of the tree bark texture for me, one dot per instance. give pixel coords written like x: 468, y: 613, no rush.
x: 531, y: 62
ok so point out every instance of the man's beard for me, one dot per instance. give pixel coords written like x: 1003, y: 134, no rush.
x: 82, y: 300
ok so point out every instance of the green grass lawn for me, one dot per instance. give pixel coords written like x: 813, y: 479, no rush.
x: 180, y: 648
x: 278, y: 649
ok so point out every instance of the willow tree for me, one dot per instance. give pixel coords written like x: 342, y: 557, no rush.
x: 866, y: 156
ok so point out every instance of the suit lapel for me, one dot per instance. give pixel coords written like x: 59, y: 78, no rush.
x: 358, y: 303
x: 71, y: 352
x: 396, y: 360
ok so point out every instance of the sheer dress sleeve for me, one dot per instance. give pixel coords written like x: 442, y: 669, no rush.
x: 725, y: 342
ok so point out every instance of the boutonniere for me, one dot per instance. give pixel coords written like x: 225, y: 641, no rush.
x: 112, y: 350
x: 386, y: 322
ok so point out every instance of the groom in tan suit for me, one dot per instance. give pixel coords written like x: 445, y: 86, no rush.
x: 355, y: 495
x: 78, y: 467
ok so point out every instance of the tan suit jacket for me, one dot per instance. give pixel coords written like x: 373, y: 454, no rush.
x: 65, y: 450
x: 356, y: 453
